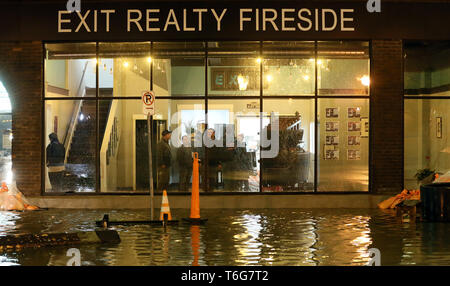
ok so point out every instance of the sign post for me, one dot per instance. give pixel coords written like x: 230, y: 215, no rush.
x: 148, y: 105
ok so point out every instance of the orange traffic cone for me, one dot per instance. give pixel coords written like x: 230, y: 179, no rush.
x: 4, y: 187
x: 165, y: 209
x: 195, y: 197
x: 194, y: 218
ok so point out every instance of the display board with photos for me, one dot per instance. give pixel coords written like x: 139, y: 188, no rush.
x: 354, y: 131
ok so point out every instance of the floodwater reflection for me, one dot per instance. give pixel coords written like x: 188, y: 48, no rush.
x: 296, y: 237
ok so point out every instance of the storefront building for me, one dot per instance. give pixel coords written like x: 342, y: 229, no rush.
x: 361, y: 99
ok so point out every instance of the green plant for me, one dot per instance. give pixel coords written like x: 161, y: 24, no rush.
x: 424, y: 173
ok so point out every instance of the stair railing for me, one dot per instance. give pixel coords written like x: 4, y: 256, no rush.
x: 110, y: 144
x: 295, y: 126
x: 81, y: 92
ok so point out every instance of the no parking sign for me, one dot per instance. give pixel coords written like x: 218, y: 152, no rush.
x: 148, y: 102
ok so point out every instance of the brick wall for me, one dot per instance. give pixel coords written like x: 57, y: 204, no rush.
x: 21, y: 73
x: 387, y: 116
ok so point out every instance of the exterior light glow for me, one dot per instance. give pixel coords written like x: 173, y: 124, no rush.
x: 125, y: 64
x: 306, y: 77
x: 243, y: 82
x: 269, y: 78
x: 258, y: 60
x: 365, y: 80
x: 149, y: 59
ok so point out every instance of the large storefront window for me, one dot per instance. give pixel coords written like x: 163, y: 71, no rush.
x: 219, y: 99
x: 427, y: 109
x: 343, y: 144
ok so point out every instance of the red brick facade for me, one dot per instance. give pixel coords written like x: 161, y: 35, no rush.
x: 387, y: 116
x: 21, y: 71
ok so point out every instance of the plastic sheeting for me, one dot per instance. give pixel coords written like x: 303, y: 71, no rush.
x: 443, y: 178
x: 392, y: 202
x: 12, y: 199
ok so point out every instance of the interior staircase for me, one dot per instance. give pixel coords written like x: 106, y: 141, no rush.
x: 83, y: 145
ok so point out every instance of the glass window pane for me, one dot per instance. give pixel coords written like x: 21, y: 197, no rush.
x: 179, y: 76
x: 124, y: 69
x: 426, y: 138
x: 70, y: 164
x: 343, y: 145
x: 234, y: 76
x: 172, y: 161
x: 288, y: 76
x: 292, y: 169
x: 117, y: 120
x: 427, y: 68
x: 233, y: 150
x: 70, y: 70
x: 124, y: 148
x: 343, y: 68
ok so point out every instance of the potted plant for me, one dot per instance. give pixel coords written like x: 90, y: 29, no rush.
x: 291, y: 165
x: 425, y: 176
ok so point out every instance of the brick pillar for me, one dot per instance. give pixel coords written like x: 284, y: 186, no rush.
x: 387, y: 116
x: 21, y: 71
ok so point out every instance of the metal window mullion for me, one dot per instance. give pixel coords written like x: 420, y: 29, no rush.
x: 260, y: 112
x: 43, y: 124
x: 316, y: 129
x: 205, y: 151
x: 97, y: 120
x: 370, y: 120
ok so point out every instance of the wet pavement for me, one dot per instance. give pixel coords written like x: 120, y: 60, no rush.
x: 238, y: 237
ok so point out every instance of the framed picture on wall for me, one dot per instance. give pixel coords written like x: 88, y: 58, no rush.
x: 354, y: 140
x: 331, y: 155
x: 353, y: 155
x: 439, y: 127
x: 332, y: 112
x: 364, y: 127
x: 332, y: 126
x: 332, y: 140
x: 354, y: 126
x: 353, y: 112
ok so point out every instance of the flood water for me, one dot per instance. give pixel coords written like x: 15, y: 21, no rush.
x: 238, y: 237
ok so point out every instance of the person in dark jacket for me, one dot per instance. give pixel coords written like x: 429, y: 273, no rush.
x: 184, y: 158
x: 214, y: 164
x: 164, y: 161
x: 56, y: 154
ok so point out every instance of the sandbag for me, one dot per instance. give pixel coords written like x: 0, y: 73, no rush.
x: 12, y: 199
x: 444, y: 178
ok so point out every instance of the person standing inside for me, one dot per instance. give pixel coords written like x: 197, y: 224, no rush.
x: 242, y: 164
x: 56, y: 154
x: 214, y: 164
x: 184, y: 158
x: 164, y: 161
